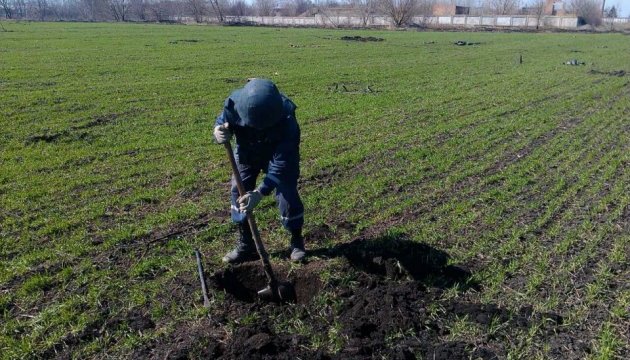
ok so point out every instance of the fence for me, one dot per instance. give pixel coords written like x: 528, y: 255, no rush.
x: 616, y: 20
x: 457, y: 21
x: 465, y: 21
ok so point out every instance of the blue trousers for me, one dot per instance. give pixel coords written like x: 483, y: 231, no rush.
x: 287, y: 198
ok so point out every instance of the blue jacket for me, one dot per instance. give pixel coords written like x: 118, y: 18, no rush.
x: 275, y: 150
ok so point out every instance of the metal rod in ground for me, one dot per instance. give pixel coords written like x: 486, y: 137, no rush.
x: 202, y: 278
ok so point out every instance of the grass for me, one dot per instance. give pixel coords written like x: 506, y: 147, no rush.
x: 109, y: 177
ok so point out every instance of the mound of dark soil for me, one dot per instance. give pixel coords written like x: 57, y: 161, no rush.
x: 386, y: 302
x: 361, y: 38
x: 465, y: 43
x: 184, y: 41
x: 377, y: 318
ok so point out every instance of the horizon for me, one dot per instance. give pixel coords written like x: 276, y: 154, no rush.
x: 623, y: 6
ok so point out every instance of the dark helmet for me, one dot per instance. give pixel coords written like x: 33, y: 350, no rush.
x: 258, y: 104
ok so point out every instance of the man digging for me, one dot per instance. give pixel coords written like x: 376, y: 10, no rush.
x: 267, y: 140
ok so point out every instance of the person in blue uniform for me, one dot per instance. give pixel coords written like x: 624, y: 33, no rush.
x: 267, y: 141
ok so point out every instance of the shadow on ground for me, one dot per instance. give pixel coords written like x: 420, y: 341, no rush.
x: 392, y: 257
x: 397, y: 257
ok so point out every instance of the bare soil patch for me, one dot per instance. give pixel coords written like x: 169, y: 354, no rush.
x: 242, y: 282
x: 388, y: 310
x: 362, y: 38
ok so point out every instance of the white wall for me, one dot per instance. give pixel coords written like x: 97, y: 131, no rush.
x: 520, y: 21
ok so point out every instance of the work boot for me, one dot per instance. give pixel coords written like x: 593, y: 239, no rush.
x: 297, y: 245
x: 245, y: 249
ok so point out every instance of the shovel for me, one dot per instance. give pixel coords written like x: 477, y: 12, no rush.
x: 275, y: 291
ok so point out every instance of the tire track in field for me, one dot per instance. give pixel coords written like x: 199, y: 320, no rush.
x: 585, y: 153
x: 444, y: 228
x: 500, y: 165
x: 456, y: 188
x: 587, y: 295
x: 520, y: 217
x: 471, y: 182
x: 523, y: 250
x: 536, y: 234
x: 471, y: 185
x: 330, y: 174
x: 529, y: 213
x: 603, y: 149
x: 613, y: 205
x: 564, y: 126
x: 590, y: 136
x: 609, y: 183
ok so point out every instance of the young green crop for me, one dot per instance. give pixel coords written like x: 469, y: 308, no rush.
x: 109, y: 176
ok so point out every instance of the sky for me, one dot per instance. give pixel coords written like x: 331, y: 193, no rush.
x: 623, y: 5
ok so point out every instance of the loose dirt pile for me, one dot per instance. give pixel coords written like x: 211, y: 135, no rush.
x: 617, y: 73
x: 361, y: 38
x: 465, y: 43
x: 385, y: 300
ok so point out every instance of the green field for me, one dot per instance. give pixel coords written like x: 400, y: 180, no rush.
x: 518, y: 172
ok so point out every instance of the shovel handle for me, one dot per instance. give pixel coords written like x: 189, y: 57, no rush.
x: 264, y: 256
x: 235, y: 172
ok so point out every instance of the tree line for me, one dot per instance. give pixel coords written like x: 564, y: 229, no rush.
x: 400, y: 11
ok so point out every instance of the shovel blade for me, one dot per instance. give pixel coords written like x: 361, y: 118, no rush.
x: 279, y: 293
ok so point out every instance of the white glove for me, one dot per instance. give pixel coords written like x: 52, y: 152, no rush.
x: 249, y: 201
x: 222, y: 134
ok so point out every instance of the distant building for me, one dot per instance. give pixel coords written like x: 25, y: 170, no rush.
x: 554, y: 8
x: 442, y: 9
x: 550, y: 7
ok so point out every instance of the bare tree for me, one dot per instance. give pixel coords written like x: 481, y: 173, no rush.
x: 42, y: 9
x: 217, y: 8
x: 365, y: 8
x: 198, y: 9
x: 538, y: 10
x: 264, y: 7
x: 93, y: 9
x: 66, y: 10
x: 238, y: 8
x: 19, y: 8
x: 139, y: 9
x: 6, y: 6
x: 165, y: 10
x: 425, y: 7
x: 401, y: 11
x: 504, y: 7
x: 299, y: 7
x: 155, y: 9
x: 56, y: 9
x: 119, y: 9
x: 587, y: 10
x: 611, y: 12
